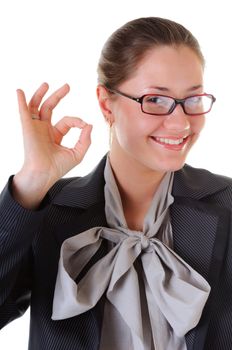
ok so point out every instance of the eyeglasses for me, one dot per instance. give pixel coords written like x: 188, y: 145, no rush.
x: 163, y: 105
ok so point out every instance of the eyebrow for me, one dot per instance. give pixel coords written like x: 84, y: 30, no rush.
x: 162, y: 88
x: 195, y: 87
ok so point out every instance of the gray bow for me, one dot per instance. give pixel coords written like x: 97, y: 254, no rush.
x: 176, y: 293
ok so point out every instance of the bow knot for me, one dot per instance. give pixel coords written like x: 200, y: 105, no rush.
x: 174, y: 292
x: 145, y: 242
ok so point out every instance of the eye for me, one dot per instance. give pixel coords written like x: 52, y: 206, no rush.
x: 158, y: 100
x: 194, y: 100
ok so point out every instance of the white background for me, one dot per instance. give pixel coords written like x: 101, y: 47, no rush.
x: 60, y: 41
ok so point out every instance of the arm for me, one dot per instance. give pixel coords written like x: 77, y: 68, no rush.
x: 23, y: 203
x: 18, y: 227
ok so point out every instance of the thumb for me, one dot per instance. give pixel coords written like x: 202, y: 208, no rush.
x: 83, y: 143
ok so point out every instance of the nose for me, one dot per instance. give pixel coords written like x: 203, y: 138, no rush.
x: 177, y: 120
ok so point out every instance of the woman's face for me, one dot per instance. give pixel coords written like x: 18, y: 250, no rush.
x: 158, y: 143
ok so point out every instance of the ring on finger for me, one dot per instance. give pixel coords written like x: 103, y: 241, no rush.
x: 35, y: 117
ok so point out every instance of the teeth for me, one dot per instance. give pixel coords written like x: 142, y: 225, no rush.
x: 169, y: 141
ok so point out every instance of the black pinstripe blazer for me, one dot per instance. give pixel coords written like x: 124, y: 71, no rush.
x: 30, y: 243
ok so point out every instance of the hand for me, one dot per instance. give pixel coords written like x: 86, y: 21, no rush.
x: 45, y: 159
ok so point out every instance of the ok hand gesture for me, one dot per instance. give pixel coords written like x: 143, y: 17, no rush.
x: 45, y: 159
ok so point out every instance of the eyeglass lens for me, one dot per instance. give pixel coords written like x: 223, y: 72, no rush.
x: 163, y: 104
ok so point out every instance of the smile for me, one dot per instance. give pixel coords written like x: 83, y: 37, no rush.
x: 169, y: 141
x: 176, y: 144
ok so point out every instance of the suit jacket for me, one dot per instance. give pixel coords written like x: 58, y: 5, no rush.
x: 30, y: 244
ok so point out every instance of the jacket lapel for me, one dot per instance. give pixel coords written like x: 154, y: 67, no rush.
x: 86, y: 194
x: 200, y: 233
x: 200, y: 228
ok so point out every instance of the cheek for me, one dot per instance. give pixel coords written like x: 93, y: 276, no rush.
x: 129, y: 118
x: 133, y: 130
x: 128, y: 125
x: 197, y: 124
x: 126, y: 132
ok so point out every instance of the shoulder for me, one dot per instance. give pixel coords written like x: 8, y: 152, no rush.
x: 81, y: 191
x: 200, y: 183
x: 60, y: 185
x: 204, y: 174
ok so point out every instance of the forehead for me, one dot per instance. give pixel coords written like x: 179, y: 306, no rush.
x: 170, y: 67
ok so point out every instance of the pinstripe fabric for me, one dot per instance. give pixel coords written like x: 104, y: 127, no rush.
x: 30, y: 243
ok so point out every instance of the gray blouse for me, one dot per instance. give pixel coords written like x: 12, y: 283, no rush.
x: 153, y: 297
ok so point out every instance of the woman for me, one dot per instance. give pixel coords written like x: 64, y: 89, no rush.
x: 146, y: 254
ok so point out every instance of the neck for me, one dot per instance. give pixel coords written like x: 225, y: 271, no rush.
x: 137, y: 184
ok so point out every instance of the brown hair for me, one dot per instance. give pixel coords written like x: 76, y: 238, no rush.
x: 127, y: 46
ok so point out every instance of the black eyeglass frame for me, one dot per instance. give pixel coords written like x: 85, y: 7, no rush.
x: 175, y: 100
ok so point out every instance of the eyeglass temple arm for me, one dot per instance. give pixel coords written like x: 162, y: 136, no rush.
x: 137, y: 99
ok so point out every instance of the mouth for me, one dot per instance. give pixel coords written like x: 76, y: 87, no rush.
x: 171, y: 143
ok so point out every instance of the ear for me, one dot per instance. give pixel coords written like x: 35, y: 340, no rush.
x: 104, y: 100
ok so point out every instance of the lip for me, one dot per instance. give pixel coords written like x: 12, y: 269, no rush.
x: 172, y: 147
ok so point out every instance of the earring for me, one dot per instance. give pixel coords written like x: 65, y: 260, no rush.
x: 110, y: 123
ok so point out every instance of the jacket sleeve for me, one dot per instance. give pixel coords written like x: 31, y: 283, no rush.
x: 18, y: 227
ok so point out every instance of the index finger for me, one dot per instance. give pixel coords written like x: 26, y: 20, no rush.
x: 52, y: 101
x: 36, y: 99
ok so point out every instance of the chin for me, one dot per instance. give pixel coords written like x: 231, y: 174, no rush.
x: 168, y: 166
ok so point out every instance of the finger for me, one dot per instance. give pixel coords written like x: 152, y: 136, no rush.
x: 36, y: 99
x: 22, y: 104
x: 63, y: 126
x: 83, y: 143
x: 48, y: 106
